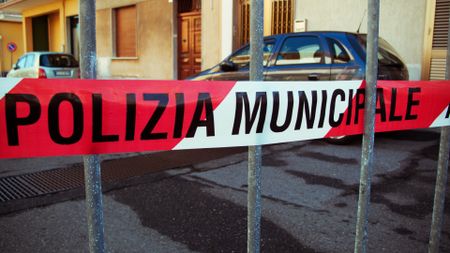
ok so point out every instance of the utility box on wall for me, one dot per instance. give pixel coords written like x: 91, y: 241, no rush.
x: 300, y: 25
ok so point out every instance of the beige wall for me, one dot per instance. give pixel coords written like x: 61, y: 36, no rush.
x: 154, y: 42
x: 211, y: 33
x: 104, y: 37
x: 402, y: 23
x: 105, y: 4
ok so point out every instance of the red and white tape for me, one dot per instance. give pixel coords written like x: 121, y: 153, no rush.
x: 72, y: 117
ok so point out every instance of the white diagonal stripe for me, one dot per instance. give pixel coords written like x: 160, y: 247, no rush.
x: 7, y: 84
x: 441, y: 120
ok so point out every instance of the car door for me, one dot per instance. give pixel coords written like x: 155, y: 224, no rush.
x: 300, y: 57
x: 18, y: 68
x: 343, y: 64
x: 241, y: 62
x: 30, y: 70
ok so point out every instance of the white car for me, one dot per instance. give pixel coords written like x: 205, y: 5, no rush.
x: 46, y: 65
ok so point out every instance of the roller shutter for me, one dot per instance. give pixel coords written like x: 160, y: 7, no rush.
x: 440, y: 33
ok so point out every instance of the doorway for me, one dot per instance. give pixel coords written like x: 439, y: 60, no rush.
x: 40, y: 33
x: 74, y: 36
x: 189, y: 38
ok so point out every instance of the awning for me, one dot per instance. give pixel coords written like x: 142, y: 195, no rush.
x: 18, y: 6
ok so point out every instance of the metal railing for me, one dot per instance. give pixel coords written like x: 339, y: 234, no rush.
x: 255, y: 152
x: 92, y: 167
x: 441, y: 177
x: 365, y: 181
x: 92, y: 171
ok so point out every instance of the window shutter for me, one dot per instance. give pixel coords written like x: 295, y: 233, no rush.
x: 126, y: 31
x: 282, y: 15
x: 245, y: 20
x: 439, y: 48
x: 441, y: 24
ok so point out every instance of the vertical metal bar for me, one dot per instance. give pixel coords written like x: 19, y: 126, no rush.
x: 175, y: 39
x: 369, y: 126
x: 255, y: 152
x: 439, y: 194
x: 94, y: 205
x: 92, y: 174
x: 441, y: 177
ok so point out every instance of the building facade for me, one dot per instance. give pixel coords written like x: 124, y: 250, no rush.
x: 172, y: 39
x: 10, y: 34
x: 47, y: 25
x: 408, y: 25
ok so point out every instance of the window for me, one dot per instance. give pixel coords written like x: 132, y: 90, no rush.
x: 21, y: 62
x: 29, y: 61
x: 439, y: 44
x: 58, y: 60
x: 300, y: 50
x: 386, y: 53
x: 440, y: 33
x: 281, y: 18
x: 338, y: 52
x: 242, y: 57
x: 125, y: 31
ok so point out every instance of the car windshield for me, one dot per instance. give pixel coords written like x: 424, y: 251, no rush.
x: 242, y: 56
x: 58, y: 61
x: 386, y: 53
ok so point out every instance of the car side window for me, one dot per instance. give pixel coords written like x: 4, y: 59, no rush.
x: 338, y: 52
x: 300, y: 50
x: 242, y: 57
x: 21, y: 62
x: 29, y: 61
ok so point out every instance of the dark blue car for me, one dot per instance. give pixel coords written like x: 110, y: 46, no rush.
x: 310, y: 56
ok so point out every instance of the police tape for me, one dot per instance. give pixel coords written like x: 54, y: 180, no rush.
x: 73, y: 117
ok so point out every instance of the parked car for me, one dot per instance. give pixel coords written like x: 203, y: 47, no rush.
x: 46, y: 65
x: 311, y: 56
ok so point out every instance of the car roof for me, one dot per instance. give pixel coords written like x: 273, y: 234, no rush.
x: 47, y: 52
x: 332, y: 33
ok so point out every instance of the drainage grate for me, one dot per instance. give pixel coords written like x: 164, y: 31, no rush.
x: 40, y: 183
x: 56, y: 180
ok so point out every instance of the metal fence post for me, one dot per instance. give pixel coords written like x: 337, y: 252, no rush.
x: 92, y: 174
x: 255, y: 152
x: 369, y: 126
x: 439, y: 194
x: 441, y: 177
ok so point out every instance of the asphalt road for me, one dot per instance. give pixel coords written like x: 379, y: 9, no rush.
x: 309, y: 202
